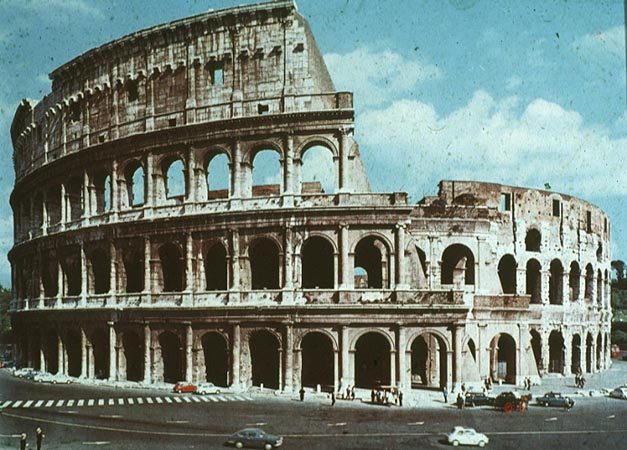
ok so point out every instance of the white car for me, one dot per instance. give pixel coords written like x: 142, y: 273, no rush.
x: 23, y: 371
x: 207, y: 388
x: 619, y: 392
x: 466, y: 436
x: 50, y: 378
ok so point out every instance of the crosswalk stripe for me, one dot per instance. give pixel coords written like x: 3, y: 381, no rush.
x: 130, y: 401
x: 70, y: 403
x: 111, y: 401
x: 5, y: 404
x: 158, y: 399
x: 81, y: 402
x: 120, y: 401
x: 187, y: 399
x: 222, y: 398
x: 167, y: 399
x: 28, y: 403
x: 16, y: 404
x: 213, y: 399
x: 140, y: 400
x: 204, y: 399
x: 39, y: 403
x: 60, y: 403
x: 90, y: 402
x: 49, y: 404
x: 101, y: 402
x: 239, y: 397
x: 196, y: 399
x: 149, y: 400
x: 178, y: 400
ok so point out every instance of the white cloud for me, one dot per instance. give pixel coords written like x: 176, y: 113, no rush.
x: 488, y: 140
x: 606, y: 44
x: 377, y: 76
x: 56, y: 10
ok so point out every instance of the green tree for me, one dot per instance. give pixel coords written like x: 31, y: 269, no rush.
x: 5, y: 320
x: 618, y: 266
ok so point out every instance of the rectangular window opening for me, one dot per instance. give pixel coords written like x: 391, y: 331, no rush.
x: 172, y: 122
x: 557, y: 207
x: 216, y: 73
x: 589, y: 221
x: 263, y: 109
x: 506, y: 202
x: 133, y: 92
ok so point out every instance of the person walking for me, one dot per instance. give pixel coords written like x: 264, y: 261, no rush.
x: 445, y: 394
x: 39, y: 433
x: 372, y: 396
x: 302, y: 393
x: 332, y: 398
x: 400, y: 398
x: 23, y: 443
x: 352, y: 392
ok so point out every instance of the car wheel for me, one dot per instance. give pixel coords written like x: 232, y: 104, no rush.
x: 455, y: 443
x: 218, y: 391
x: 268, y: 446
x: 54, y: 381
x: 239, y: 445
x: 178, y: 391
x: 508, y: 407
x: 38, y: 381
x: 545, y: 404
x: 481, y: 444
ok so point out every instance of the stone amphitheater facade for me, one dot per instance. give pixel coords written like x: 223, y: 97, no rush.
x: 121, y: 272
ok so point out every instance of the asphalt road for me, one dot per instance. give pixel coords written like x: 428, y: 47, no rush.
x: 184, y: 422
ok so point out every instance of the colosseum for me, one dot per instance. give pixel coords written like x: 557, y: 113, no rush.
x: 131, y: 261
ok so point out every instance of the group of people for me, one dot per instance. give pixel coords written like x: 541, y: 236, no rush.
x: 382, y: 397
x: 580, y: 381
x: 527, y: 383
x: 39, y: 437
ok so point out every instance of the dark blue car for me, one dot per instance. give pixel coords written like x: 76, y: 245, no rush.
x: 254, y: 438
x: 555, y: 399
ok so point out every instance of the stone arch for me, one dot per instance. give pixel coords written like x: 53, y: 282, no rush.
x: 318, y: 359
x: 98, y: 271
x: 133, y: 355
x: 599, y: 292
x: 556, y: 282
x: 102, y: 187
x: 172, y: 267
x: 534, y: 281
x: 556, y: 352
x: 507, y: 273
x: 265, y: 358
x: 429, y: 365
x: 49, y: 274
x: 589, y: 283
x: 536, y: 348
x: 299, y: 339
x: 373, y: 255
x: 174, y: 179
x: 266, y: 178
x: 589, y: 342
x: 51, y: 351
x: 171, y: 352
x: 74, y: 194
x: 263, y: 254
x: 503, y: 358
x: 217, y: 168
x: 575, y: 359
x: 215, y: 354
x: 574, y: 278
x: 599, y: 348
x: 372, y: 359
x: 458, y: 265
x: 469, y: 343
x: 533, y: 240
x: 317, y: 141
x: 101, y: 352
x: 216, y: 266
x: 317, y: 168
x: 133, y: 264
x: 74, y: 352
x: 318, y: 263
x: 135, y: 183
x: 71, y: 266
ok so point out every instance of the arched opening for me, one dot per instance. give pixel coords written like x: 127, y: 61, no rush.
x: 73, y: 192
x: 556, y: 352
x: 503, y: 358
x: 133, y: 355
x: 536, y: 347
x: 71, y: 265
x: 599, y: 296
x: 507, y: 274
x: 73, y: 350
x: 589, y: 353
x: 317, y: 360
x: 318, y: 171
x: 216, y: 268
x: 371, y: 255
x: 575, y: 360
x: 599, y: 252
x: 360, y: 278
x: 264, y: 356
x: 533, y: 240
x: 100, y: 344
x: 534, y: 281
x: 133, y: 270
x: 172, y: 268
x: 266, y: 174
x: 573, y: 280
x: 264, y: 264
x: 318, y: 266
x: 99, y: 272
x: 599, y: 352
x: 171, y: 357
x: 51, y: 352
x: 589, y: 284
x: 472, y: 348
x: 428, y: 362
x: 372, y: 361
x: 556, y: 283
x: 216, y: 358
x: 134, y: 177
x: 218, y: 176
x: 49, y: 275
x: 174, y: 178
x: 458, y: 266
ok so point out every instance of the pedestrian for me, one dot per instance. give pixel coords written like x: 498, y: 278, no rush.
x: 460, y: 401
x: 348, y: 392
x: 302, y: 393
x: 332, y: 398
x: 400, y: 398
x: 583, y: 382
x: 352, y: 392
x: 40, y: 437
x: 463, y: 388
x: 445, y: 394
x: 23, y: 443
x: 372, y: 396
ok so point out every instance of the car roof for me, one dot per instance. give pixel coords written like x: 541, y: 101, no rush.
x: 248, y: 430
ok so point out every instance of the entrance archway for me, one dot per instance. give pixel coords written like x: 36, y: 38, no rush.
x: 73, y: 349
x: 171, y: 356
x: 51, y: 352
x: 428, y: 361
x: 536, y: 347
x: 133, y: 355
x: 556, y: 352
x: 589, y: 353
x: 264, y: 356
x: 318, y: 268
x: 575, y: 361
x: 372, y: 360
x: 371, y: 255
x: 216, y: 358
x: 100, y: 343
x: 317, y: 360
x: 264, y: 264
x: 503, y: 358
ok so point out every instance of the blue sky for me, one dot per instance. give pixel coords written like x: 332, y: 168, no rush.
x: 516, y: 92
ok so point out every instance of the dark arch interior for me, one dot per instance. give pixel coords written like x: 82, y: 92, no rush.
x: 575, y: 362
x: 372, y: 361
x: 472, y: 348
x: 134, y: 268
x: 51, y: 349
x: 556, y: 352
x: 573, y: 280
x: 172, y: 356
x: 134, y: 356
x: 264, y: 355
x: 536, y: 347
x: 100, y: 343
x: 534, y: 281
x: 533, y: 240
x: 368, y: 255
x: 73, y: 349
x: 172, y: 266
x: 589, y: 288
x: 216, y: 268
x: 589, y: 353
x: 505, y: 361
x: 317, y: 354
x: 507, y: 274
x: 556, y: 283
x: 101, y: 272
x: 459, y: 257
x: 49, y: 278
x: 428, y: 362
x: 318, y: 267
x: 264, y: 264
x: 216, y: 359
x: 72, y: 271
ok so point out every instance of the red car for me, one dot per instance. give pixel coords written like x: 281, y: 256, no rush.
x: 184, y: 386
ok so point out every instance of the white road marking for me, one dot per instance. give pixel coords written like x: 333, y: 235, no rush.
x: 196, y: 399
x: 59, y: 403
x: 70, y: 403
x: 5, y: 404
x: 16, y: 404
x: 187, y: 399
x: 149, y: 400
x: 70, y: 412
x: 239, y: 397
x: 110, y: 416
x: 97, y: 443
x: 28, y: 403
x: 130, y: 401
x: 167, y: 399
x: 213, y: 399
x: 178, y: 400
x: 140, y: 401
x: 90, y: 402
x: 81, y: 402
x: 416, y: 423
x: 39, y: 403
x: 177, y: 421
x: 204, y: 399
x: 258, y: 424
x: 611, y: 417
x: 159, y: 399
x: 550, y: 419
x: 49, y: 404
x: 339, y: 424
x: 101, y: 402
x: 120, y: 401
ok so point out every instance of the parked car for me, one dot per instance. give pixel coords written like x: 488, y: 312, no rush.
x: 20, y: 373
x: 184, y: 386
x: 619, y: 392
x: 8, y: 364
x: 478, y: 399
x: 50, y: 378
x: 555, y: 399
x: 207, y: 388
x: 509, y: 401
x: 466, y: 436
x: 254, y: 438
